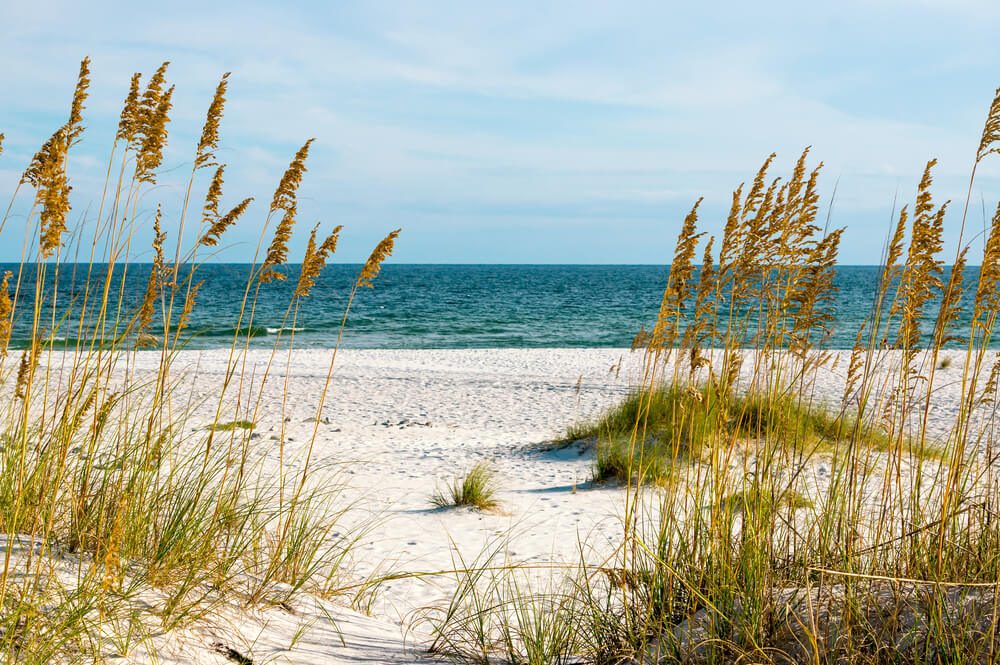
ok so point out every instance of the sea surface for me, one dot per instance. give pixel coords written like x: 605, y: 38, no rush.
x: 426, y: 306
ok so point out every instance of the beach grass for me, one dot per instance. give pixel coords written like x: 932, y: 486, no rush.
x: 476, y: 489
x: 767, y: 522
x: 120, y: 520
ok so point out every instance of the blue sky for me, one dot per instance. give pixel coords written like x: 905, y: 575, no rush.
x: 524, y: 132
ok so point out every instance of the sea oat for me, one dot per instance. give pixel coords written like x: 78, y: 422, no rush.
x: 990, y: 141
x: 205, y: 153
x: 315, y: 260
x: 154, y: 285
x: 988, y: 289
x: 189, y: 301
x: 47, y: 174
x: 373, y: 265
x: 284, y: 195
x: 75, y: 127
x: 214, y: 233
x: 679, y: 284
x: 26, y: 369
x: 6, y: 313
x: 154, y: 139
x: 210, y: 211
x: 128, y: 124
x: 284, y: 200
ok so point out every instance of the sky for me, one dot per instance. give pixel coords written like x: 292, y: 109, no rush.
x: 521, y: 132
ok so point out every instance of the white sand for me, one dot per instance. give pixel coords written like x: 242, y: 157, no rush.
x: 399, y: 423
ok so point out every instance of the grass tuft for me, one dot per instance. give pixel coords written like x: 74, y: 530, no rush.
x: 231, y: 425
x: 476, y: 490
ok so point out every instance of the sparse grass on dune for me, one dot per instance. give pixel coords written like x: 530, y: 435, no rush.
x: 477, y: 489
x: 652, y: 429
x: 119, y: 520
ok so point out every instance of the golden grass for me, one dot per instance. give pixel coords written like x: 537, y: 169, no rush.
x: 786, y: 526
x: 119, y: 520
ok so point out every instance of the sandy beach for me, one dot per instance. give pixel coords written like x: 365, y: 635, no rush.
x: 397, y: 425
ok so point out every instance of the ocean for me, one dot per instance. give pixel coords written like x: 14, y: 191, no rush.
x: 439, y: 306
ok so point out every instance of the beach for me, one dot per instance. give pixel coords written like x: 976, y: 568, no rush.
x: 397, y: 425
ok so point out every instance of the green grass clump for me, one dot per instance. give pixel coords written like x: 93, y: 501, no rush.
x: 231, y: 425
x: 652, y: 430
x: 477, y: 490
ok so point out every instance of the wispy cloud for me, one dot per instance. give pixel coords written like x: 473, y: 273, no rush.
x: 600, y: 120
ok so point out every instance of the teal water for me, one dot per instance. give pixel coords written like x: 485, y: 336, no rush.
x: 442, y: 306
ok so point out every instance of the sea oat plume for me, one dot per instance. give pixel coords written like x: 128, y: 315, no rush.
x: 154, y: 284
x: 214, y: 233
x: 373, y: 265
x: 315, y: 260
x: 678, y: 282
x: 210, y: 132
x: 154, y: 138
x: 284, y: 199
x: 277, y: 252
x: 991, y: 130
x: 988, y: 289
x: 210, y: 212
x: 6, y: 313
x: 75, y: 127
x: 128, y: 124
x: 26, y: 369
x: 284, y: 195
x: 189, y: 301
x: 47, y: 174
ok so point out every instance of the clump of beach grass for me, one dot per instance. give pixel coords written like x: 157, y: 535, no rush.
x: 477, y: 489
x: 119, y: 520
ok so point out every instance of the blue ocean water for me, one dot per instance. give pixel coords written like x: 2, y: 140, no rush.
x: 435, y: 306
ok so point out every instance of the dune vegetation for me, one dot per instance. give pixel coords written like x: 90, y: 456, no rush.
x: 765, y: 521
x: 121, y: 521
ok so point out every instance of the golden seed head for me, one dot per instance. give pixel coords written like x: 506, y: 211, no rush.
x: 154, y: 285
x: 75, y: 127
x: 205, y: 154
x: 128, y: 124
x: 990, y: 141
x: 153, y: 131
x: 277, y: 252
x: 26, y: 369
x: 284, y: 195
x: 210, y: 213
x: 373, y: 265
x: 6, y: 313
x: 315, y: 260
x: 988, y: 289
x: 284, y: 200
x: 678, y: 282
x: 189, y: 301
x: 47, y: 174
x: 220, y: 225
